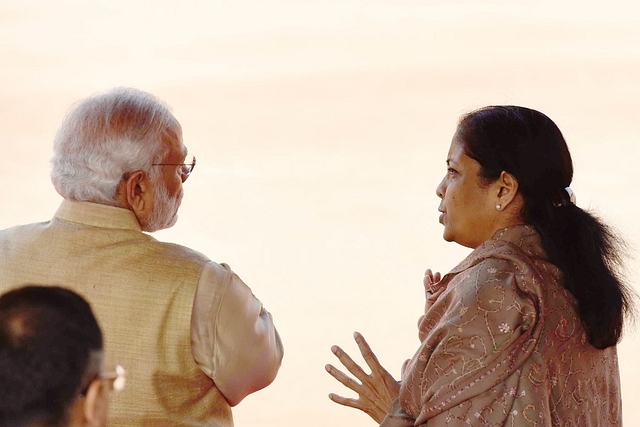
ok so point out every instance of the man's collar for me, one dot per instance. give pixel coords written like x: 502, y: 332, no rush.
x: 97, y: 215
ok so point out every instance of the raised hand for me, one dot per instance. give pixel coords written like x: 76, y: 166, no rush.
x: 431, y: 293
x: 376, y: 391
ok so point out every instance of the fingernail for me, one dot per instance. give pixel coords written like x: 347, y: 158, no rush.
x: 334, y: 349
x: 327, y: 368
x: 356, y: 335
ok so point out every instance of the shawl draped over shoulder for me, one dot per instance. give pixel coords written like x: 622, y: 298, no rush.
x: 503, y: 346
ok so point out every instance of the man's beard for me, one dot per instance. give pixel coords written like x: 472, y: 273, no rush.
x: 165, y: 209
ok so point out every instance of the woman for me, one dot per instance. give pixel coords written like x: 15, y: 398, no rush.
x: 523, y: 331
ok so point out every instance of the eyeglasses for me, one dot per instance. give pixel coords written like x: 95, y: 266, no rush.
x: 117, y: 378
x: 186, y: 167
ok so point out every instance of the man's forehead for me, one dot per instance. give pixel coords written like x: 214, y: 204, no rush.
x: 173, y: 138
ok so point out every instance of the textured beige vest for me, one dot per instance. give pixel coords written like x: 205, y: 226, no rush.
x: 141, y: 291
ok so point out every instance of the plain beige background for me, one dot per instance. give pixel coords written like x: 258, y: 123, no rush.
x: 321, y: 130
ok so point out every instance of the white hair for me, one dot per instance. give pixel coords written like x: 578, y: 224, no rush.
x: 107, y: 136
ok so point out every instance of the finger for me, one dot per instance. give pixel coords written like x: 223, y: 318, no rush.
x: 371, y: 359
x: 426, y: 281
x: 346, y: 401
x: 348, y: 363
x: 380, y: 380
x: 429, y: 281
x: 435, y: 295
x: 428, y: 289
x: 366, y: 394
x: 344, y: 379
x: 428, y: 278
x: 366, y: 352
x: 373, y: 411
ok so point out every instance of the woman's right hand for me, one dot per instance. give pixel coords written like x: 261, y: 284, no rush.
x: 376, y: 391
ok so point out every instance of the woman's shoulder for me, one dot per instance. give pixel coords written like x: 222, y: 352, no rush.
x: 487, y: 277
x: 517, y: 248
x: 503, y: 268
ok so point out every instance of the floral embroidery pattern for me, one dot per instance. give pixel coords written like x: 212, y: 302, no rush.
x: 503, y: 346
x: 504, y: 328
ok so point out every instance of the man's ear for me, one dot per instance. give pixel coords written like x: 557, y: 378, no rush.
x: 94, y: 407
x: 507, y: 188
x: 135, y: 189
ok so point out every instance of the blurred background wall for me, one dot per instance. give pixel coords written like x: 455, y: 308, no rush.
x: 321, y: 131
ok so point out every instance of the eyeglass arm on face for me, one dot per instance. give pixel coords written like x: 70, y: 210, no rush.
x: 187, y: 167
x: 192, y: 164
x: 118, y: 378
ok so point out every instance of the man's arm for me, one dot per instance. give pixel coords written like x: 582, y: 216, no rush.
x: 233, y: 338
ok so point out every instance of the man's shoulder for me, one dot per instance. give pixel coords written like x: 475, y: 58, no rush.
x: 70, y: 238
x: 174, y: 251
x: 22, y: 232
x: 22, y: 227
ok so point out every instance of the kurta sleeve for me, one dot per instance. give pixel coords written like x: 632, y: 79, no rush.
x: 233, y: 338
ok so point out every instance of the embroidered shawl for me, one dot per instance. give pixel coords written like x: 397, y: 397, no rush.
x: 503, y: 346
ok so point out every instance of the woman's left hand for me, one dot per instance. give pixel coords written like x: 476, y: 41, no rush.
x: 430, y: 280
x: 376, y: 391
x: 432, y: 292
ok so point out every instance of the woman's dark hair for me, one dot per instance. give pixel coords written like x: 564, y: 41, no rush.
x: 528, y: 145
x: 47, y: 337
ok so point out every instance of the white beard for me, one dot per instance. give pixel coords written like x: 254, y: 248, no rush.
x: 165, y: 209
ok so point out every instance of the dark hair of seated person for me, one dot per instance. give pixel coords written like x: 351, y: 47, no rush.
x: 48, y: 338
x: 528, y: 145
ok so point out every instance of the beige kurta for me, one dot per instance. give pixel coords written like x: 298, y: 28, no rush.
x: 183, y: 369
x: 503, y: 346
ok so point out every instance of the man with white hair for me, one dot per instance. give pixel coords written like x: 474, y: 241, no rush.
x: 193, y: 336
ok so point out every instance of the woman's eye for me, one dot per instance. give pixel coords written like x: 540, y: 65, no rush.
x: 451, y: 170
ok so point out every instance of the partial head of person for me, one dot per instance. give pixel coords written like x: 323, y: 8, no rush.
x: 51, y: 367
x: 123, y: 148
x: 510, y: 165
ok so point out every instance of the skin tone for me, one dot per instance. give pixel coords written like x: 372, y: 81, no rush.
x: 472, y: 211
x: 155, y: 205
x: 90, y: 410
x: 376, y: 391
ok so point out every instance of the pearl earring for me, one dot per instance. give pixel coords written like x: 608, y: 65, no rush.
x: 499, y: 206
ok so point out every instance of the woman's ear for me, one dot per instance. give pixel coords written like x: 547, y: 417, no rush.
x: 507, y: 189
